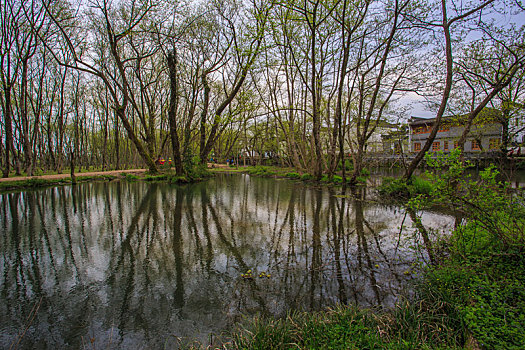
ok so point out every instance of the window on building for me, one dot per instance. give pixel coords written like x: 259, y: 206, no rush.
x: 445, y: 145
x: 417, y: 146
x: 435, y: 146
x: 494, y: 143
x: 444, y: 128
x: 475, y: 145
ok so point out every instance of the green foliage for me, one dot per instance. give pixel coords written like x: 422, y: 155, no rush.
x: 306, y: 177
x: 197, y: 172
x: 261, y: 171
x: 189, y: 161
x: 349, y: 165
x: 31, y: 183
x: 482, y: 282
x: 130, y: 177
x: 405, y: 327
x: 337, y: 179
x: 152, y: 178
x: 361, y: 179
x: 294, y: 176
x: 485, y: 288
x: 399, y: 188
x: 485, y: 202
x: 365, y: 172
x: 179, y: 179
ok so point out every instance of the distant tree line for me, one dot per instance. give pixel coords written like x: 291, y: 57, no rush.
x: 115, y: 84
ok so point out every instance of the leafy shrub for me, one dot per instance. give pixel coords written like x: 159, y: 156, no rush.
x: 348, y: 164
x: 294, y: 176
x: 198, y: 171
x: 261, y: 171
x: 361, y: 179
x: 483, y: 279
x: 337, y: 179
x: 399, y: 188
x: 306, y: 177
x: 130, y: 177
x: 160, y: 177
x: 394, y: 188
x: 418, y: 185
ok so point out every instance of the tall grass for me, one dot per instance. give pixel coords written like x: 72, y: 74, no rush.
x: 408, y: 326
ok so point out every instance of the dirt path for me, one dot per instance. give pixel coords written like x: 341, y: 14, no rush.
x: 67, y: 176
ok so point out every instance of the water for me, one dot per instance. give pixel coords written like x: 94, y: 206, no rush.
x: 132, y: 265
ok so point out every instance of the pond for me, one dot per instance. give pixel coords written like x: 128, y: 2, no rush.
x: 132, y: 265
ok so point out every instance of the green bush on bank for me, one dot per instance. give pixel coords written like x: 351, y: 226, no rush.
x: 400, y: 188
x: 260, y: 170
x: 293, y: 176
x: 307, y: 177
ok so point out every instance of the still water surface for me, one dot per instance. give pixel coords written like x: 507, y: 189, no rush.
x: 132, y: 265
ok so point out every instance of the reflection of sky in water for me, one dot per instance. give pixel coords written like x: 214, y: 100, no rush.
x: 137, y: 265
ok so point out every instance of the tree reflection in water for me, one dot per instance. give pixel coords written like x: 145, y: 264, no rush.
x: 138, y: 265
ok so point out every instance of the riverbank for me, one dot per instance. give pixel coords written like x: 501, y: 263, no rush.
x: 47, y: 180
x: 286, y: 173
x: 28, y: 182
x: 470, y: 296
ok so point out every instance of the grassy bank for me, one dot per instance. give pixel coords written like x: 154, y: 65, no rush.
x: 288, y: 173
x: 408, y: 326
x: 40, y: 183
x: 166, y: 175
x: 473, y: 296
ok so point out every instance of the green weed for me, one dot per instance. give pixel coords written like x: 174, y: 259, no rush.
x: 307, y: 177
x: 294, y: 176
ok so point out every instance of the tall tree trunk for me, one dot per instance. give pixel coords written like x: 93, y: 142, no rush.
x: 121, y: 113
x: 314, y: 90
x: 25, y: 121
x: 172, y: 113
x: 117, y: 143
x: 9, y: 140
x: 204, y: 114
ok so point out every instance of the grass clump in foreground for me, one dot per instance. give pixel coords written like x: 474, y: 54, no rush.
x: 472, y: 297
x: 407, y: 326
